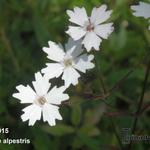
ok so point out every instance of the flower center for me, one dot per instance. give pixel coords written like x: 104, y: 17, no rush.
x: 40, y: 101
x: 68, y: 62
x: 90, y: 27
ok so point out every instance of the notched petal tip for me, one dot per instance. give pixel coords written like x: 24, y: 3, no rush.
x: 38, y: 76
x: 104, y: 6
x: 51, y: 42
x: 91, y: 57
x: 68, y: 12
x: 15, y: 95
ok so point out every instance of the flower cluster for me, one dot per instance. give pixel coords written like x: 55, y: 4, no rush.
x: 67, y: 62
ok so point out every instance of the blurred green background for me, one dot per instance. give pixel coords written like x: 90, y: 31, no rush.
x: 25, y: 27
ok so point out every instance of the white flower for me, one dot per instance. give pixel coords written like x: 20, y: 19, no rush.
x: 91, y: 28
x: 142, y: 10
x: 67, y: 63
x: 42, y: 100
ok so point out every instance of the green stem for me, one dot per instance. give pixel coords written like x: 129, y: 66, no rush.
x: 116, y: 133
x: 105, y: 92
x: 135, y: 121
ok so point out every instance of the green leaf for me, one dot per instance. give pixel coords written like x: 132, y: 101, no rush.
x: 75, y: 100
x: 89, y: 130
x: 76, y: 115
x: 94, y: 116
x: 91, y: 143
x: 41, y: 140
x: 58, y: 130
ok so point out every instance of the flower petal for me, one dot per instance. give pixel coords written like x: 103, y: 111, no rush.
x: 142, y: 10
x: 100, y: 15
x: 31, y: 113
x: 41, y: 84
x: 73, y: 48
x: 84, y: 62
x: 78, y: 16
x: 52, y: 70
x: 91, y: 40
x: 104, y: 30
x: 76, y: 32
x: 25, y: 95
x: 54, y: 51
x: 56, y: 95
x: 70, y: 76
x: 51, y: 113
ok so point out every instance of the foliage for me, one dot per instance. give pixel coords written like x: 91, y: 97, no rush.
x: 25, y: 27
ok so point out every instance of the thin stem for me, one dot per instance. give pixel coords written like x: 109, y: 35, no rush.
x: 145, y: 108
x: 102, y: 83
x: 116, y: 133
x: 119, y: 114
x: 115, y: 87
x: 106, y: 94
x: 135, y: 121
x: 121, y: 81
